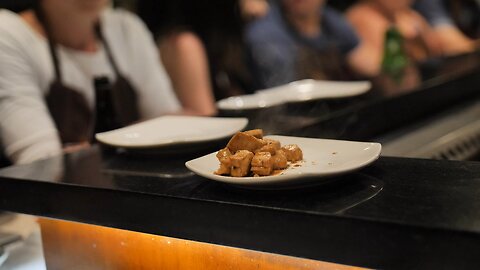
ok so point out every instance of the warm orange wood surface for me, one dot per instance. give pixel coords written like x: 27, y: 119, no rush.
x: 70, y: 245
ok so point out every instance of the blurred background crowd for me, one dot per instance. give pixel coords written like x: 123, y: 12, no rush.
x: 72, y: 68
x: 255, y: 44
x: 210, y: 50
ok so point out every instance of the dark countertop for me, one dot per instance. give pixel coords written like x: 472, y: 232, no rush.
x: 396, y: 213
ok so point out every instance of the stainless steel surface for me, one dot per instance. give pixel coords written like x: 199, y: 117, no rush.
x: 454, y: 135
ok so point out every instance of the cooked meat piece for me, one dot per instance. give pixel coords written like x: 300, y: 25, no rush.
x: 257, y: 133
x: 225, y: 163
x: 223, y: 170
x: 242, y: 141
x: 224, y: 156
x: 275, y: 143
x: 262, y: 163
x: 266, y: 148
x: 241, y: 163
x: 280, y: 160
x: 247, y: 153
x: 293, y: 152
x: 271, y: 146
x: 261, y: 171
x: 262, y: 159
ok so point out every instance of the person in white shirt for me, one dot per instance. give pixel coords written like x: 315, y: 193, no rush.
x: 50, y: 58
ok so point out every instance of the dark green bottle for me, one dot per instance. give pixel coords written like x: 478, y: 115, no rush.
x: 395, y: 60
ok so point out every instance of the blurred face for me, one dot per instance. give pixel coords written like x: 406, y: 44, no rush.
x: 91, y: 8
x: 302, y: 7
x: 394, y: 5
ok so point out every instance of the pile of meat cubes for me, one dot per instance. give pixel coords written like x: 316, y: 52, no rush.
x: 249, y: 154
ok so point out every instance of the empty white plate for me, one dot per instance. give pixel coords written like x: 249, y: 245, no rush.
x: 321, y: 159
x: 172, y: 130
x: 298, y: 91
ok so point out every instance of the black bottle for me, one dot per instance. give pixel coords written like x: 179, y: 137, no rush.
x: 105, y: 118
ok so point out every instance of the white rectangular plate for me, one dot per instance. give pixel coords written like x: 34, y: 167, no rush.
x: 321, y: 159
x: 172, y: 130
x: 297, y: 91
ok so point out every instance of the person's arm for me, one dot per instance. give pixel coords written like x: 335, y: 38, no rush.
x: 155, y: 93
x: 366, y: 58
x: 454, y: 41
x: 428, y: 36
x: 451, y: 39
x: 26, y: 128
x: 185, y: 60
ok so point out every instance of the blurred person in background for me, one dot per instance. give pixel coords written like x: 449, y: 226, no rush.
x: 202, y: 42
x: 451, y: 38
x: 185, y: 59
x: 465, y: 14
x: 397, y: 37
x: 253, y: 9
x: 69, y: 69
x: 304, y: 39
x: 373, y: 18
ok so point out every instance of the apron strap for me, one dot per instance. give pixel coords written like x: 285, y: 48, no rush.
x: 51, y: 45
x: 98, y: 32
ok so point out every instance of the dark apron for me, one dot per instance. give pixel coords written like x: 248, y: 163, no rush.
x: 115, y: 104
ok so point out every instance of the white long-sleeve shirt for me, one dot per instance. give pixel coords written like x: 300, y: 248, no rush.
x: 27, y: 131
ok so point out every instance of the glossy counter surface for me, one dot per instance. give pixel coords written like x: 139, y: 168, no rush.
x: 396, y: 213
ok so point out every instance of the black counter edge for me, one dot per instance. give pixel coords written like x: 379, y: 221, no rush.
x: 340, y: 240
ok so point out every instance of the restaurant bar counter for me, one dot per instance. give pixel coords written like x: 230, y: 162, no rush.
x: 397, y: 213
x: 110, y: 209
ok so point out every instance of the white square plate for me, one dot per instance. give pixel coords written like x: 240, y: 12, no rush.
x: 297, y: 91
x: 172, y: 130
x: 321, y: 159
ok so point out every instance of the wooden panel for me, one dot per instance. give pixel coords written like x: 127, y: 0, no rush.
x: 69, y: 245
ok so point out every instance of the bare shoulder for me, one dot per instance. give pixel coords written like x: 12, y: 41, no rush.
x: 184, y: 41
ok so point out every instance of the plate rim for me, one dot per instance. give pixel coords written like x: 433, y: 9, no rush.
x: 282, y: 179
x: 243, y: 122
